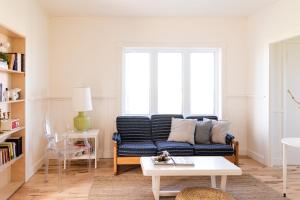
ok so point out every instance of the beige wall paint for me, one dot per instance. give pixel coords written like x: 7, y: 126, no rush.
x: 26, y: 18
x: 275, y: 23
x: 87, y: 51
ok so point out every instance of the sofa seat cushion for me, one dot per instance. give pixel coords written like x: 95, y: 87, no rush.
x: 175, y: 148
x: 137, y: 149
x: 213, y: 150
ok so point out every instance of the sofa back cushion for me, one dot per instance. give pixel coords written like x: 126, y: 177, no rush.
x: 201, y: 117
x: 161, y: 126
x: 134, y: 128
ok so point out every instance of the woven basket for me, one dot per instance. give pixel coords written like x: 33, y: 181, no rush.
x: 203, y: 194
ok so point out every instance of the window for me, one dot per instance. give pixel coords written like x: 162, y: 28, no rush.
x: 170, y: 81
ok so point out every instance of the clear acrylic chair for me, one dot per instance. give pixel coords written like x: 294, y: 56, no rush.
x: 63, y: 149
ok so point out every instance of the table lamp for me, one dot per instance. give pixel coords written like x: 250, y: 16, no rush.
x: 82, y: 102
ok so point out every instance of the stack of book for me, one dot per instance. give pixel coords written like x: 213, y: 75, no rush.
x: 16, y: 62
x: 10, y: 149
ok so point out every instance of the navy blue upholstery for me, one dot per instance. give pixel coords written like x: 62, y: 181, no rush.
x: 200, y: 117
x: 116, y: 137
x: 175, y: 148
x: 229, y: 138
x: 161, y: 126
x: 213, y: 150
x: 134, y: 128
x: 137, y: 149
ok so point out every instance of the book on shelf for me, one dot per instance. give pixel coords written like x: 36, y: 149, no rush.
x: 16, y: 62
x: 10, y: 149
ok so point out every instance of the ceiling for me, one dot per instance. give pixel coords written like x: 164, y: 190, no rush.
x: 100, y: 8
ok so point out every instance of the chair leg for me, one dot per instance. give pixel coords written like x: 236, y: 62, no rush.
x: 46, y: 166
x: 115, y: 159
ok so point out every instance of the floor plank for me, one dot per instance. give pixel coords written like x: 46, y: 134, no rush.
x: 77, y: 181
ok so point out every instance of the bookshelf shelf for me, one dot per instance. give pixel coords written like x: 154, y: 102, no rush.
x: 10, y: 189
x: 8, y: 102
x: 6, y: 134
x: 8, y: 164
x: 10, y: 71
x: 12, y: 173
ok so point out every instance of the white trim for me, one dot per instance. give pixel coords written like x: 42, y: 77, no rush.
x: 186, y: 52
x: 256, y: 156
x: 35, y: 167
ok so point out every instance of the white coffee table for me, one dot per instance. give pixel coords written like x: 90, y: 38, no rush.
x: 203, y: 166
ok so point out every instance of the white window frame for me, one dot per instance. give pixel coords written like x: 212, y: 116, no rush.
x: 186, y: 67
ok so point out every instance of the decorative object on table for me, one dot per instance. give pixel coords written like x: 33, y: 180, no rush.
x: 82, y: 102
x: 165, y: 159
x: 14, y: 94
x: 164, y: 156
x: 9, y: 124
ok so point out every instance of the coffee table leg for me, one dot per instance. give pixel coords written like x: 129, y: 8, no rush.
x: 213, y: 181
x: 156, y: 186
x: 223, y: 182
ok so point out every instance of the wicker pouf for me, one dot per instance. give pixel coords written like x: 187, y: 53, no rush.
x: 203, y: 194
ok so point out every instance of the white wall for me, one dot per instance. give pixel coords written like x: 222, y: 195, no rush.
x: 87, y: 51
x: 275, y: 23
x: 26, y: 18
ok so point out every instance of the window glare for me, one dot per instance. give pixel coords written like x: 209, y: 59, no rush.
x: 202, y: 83
x: 169, y: 83
x: 137, y: 83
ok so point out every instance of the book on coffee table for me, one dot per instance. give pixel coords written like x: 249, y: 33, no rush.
x: 175, y: 161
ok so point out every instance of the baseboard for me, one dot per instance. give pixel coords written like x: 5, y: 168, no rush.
x: 36, y: 166
x: 276, y: 161
x: 256, y: 156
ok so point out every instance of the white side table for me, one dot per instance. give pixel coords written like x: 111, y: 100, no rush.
x: 292, y: 142
x: 93, y: 134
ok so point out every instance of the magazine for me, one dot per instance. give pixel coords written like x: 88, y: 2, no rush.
x: 175, y: 161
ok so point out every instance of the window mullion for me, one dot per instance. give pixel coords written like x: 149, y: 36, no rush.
x: 153, y: 78
x: 186, y: 83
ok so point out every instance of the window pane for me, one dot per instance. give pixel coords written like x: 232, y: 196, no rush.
x: 137, y: 83
x: 169, y: 83
x: 202, y: 83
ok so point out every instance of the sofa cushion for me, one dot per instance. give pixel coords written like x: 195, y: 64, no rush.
x: 161, y: 126
x: 202, y: 133
x: 201, y: 117
x: 183, y: 130
x: 213, y: 150
x: 137, y: 149
x: 134, y: 128
x: 175, y: 148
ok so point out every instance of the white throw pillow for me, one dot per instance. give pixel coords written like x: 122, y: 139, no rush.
x: 219, y: 131
x: 183, y: 130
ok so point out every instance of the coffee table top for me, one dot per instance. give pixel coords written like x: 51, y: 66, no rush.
x: 203, y: 166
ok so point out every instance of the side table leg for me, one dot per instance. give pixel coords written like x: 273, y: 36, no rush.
x: 96, y: 154
x: 213, y: 181
x: 284, y: 169
x: 223, y: 182
x: 156, y: 186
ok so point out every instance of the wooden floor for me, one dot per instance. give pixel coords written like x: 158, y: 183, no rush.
x: 77, y: 181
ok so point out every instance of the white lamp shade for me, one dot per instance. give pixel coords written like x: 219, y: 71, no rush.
x: 82, y: 99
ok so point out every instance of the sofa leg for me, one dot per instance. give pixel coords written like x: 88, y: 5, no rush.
x: 236, y: 153
x: 115, y: 159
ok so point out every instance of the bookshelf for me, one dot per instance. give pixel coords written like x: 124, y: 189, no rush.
x: 13, y: 172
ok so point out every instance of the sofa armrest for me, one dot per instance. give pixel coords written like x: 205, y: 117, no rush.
x: 116, y: 138
x: 229, y: 138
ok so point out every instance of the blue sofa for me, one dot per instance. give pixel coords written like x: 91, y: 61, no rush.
x: 139, y: 136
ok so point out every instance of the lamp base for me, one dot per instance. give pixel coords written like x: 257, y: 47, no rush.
x: 82, y: 122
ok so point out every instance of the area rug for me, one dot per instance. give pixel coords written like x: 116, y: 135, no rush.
x: 137, y: 187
